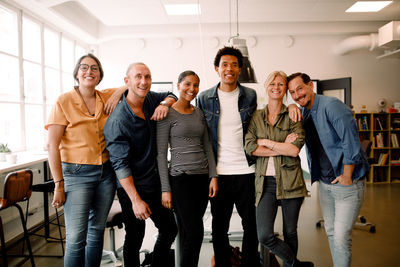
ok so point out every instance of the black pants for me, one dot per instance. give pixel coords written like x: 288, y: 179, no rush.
x: 134, y: 229
x: 234, y: 190
x: 266, y: 214
x: 190, y: 198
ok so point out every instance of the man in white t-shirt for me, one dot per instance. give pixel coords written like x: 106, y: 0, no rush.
x: 228, y: 107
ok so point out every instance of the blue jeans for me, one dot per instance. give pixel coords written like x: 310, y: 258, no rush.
x: 89, y: 192
x: 266, y: 214
x: 340, y: 207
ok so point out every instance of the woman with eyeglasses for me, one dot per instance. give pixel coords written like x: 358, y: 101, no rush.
x: 79, y: 162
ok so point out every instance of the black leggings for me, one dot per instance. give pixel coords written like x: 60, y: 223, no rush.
x: 190, y: 198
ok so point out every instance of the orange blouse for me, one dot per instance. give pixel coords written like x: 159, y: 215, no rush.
x: 83, y: 141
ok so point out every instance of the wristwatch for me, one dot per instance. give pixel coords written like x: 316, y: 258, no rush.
x: 164, y: 103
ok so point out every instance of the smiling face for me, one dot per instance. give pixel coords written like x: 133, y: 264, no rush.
x: 302, y: 93
x: 138, y: 80
x: 88, y: 78
x: 188, y: 87
x: 276, y: 89
x: 228, y: 70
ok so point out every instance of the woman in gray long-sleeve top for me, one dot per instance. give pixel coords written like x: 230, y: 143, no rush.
x: 191, y: 178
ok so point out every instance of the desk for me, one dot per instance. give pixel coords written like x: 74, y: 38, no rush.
x: 26, y: 160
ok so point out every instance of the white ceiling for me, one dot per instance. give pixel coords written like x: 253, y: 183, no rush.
x: 99, y: 19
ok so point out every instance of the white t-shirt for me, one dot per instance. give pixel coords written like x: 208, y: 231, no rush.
x: 231, y: 155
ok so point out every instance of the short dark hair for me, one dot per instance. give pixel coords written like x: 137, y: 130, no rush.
x: 186, y: 73
x: 306, y: 79
x: 76, y: 69
x: 229, y: 50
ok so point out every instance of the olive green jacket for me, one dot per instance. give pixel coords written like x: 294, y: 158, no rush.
x: 289, y: 175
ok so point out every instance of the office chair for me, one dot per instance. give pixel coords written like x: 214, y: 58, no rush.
x: 17, y: 188
x: 45, y: 188
x: 114, y: 219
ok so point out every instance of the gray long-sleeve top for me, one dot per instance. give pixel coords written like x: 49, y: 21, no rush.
x: 191, y: 151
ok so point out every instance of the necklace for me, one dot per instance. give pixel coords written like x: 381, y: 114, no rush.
x: 92, y: 108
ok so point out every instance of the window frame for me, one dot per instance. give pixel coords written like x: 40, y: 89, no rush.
x: 45, y: 106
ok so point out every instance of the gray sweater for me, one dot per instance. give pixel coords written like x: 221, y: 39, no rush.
x: 190, y: 146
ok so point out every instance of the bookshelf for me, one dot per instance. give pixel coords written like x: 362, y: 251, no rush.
x: 383, y: 129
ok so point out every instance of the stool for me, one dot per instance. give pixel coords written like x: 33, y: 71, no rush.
x: 114, y: 219
x: 17, y: 188
x: 45, y: 188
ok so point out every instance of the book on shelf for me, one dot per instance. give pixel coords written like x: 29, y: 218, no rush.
x: 382, y: 158
x: 379, y: 124
x: 379, y: 140
x: 394, y: 140
x: 364, y: 123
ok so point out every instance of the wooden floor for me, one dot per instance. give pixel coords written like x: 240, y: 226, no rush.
x: 381, y: 206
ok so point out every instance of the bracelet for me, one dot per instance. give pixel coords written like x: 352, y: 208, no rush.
x: 59, y: 190
x: 59, y: 181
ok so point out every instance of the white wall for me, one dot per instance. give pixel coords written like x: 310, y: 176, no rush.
x: 371, y: 78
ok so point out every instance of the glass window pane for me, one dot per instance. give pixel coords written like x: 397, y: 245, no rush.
x: 67, y: 48
x: 53, y: 85
x: 31, y: 40
x: 34, y: 127
x: 10, y: 125
x: 32, y: 83
x: 68, y: 82
x: 79, y: 51
x: 9, y: 77
x: 8, y: 31
x: 51, y: 48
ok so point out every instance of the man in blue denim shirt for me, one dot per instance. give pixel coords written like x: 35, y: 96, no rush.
x: 336, y: 159
x: 228, y: 108
x: 131, y: 141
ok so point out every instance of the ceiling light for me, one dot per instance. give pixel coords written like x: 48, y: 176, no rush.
x: 368, y: 6
x: 182, y: 9
x: 247, y: 74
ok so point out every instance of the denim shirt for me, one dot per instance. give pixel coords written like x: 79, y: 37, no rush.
x: 208, y: 102
x: 339, y: 137
x: 131, y: 142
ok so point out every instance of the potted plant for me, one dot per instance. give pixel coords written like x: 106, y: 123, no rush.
x: 4, y: 150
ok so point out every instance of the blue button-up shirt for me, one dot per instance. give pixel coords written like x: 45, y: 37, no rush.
x: 339, y: 137
x: 131, y: 142
x: 208, y: 102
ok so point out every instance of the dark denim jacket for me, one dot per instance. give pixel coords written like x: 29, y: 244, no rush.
x: 208, y: 102
x: 339, y: 137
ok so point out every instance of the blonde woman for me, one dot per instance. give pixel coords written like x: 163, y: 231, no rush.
x: 275, y: 140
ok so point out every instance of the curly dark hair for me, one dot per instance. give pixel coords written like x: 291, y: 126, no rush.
x: 229, y: 50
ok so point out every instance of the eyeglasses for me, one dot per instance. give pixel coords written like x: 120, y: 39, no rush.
x: 85, y: 67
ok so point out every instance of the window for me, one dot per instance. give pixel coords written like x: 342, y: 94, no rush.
x: 8, y: 31
x: 45, y: 66
x: 31, y: 40
x: 51, y: 48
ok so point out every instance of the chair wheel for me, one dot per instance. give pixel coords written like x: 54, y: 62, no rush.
x: 318, y: 224
x: 372, y: 229
x: 362, y: 219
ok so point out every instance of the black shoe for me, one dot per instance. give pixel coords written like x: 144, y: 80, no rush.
x: 303, y: 264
